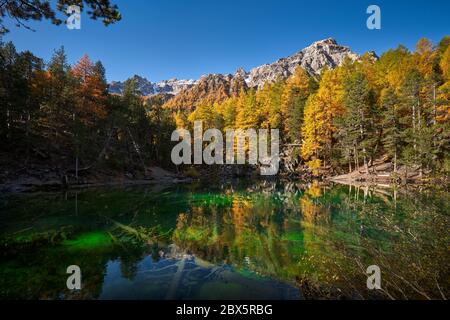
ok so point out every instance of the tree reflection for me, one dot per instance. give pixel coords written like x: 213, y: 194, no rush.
x: 323, y: 237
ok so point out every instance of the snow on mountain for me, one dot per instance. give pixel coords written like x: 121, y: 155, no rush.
x: 148, y: 88
x: 313, y: 59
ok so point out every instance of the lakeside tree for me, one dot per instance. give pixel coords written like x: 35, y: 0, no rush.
x: 392, y: 130
x: 62, y: 117
x: 21, y: 11
x: 313, y: 133
x: 320, y: 114
x: 358, y: 120
x: 294, y: 97
x: 395, y: 107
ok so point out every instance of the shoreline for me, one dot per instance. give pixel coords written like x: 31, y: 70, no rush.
x: 30, y: 184
x: 43, y: 178
x: 20, y: 186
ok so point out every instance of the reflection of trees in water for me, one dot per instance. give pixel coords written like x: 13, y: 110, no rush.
x: 251, y: 230
x: 325, y: 237
x: 36, y: 269
x: 319, y: 235
x: 43, y: 277
x: 402, y: 231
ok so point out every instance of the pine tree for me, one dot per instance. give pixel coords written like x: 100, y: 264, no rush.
x: 11, y: 92
x: 60, y: 94
x: 417, y: 135
x: 21, y: 11
x: 295, y: 94
x: 356, y: 127
x: 392, y: 130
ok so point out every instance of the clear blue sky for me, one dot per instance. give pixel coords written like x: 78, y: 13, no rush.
x: 162, y: 39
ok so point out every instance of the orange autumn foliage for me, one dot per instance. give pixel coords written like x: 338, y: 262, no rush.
x: 90, y: 91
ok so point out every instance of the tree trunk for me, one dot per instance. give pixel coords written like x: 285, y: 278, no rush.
x: 8, y: 123
x: 76, y: 167
x: 395, y: 161
x: 356, y: 158
x: 414, y: 127
x: 366, y: 166
x: 434, y: 104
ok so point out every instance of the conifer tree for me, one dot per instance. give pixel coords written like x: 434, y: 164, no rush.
x: 248, y: 116
x: 60, y: 99
x: 417, y: 135
x: 328, y: 105
x: 392, y: 130
x: 295, y: 94
x: 356, y: 126
x: 228, y: 112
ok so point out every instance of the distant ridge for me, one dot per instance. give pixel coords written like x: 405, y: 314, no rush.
x: 320, y: 54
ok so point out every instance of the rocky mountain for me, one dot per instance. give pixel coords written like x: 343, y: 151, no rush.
x: 148, y: 88
x: 174, y: 86
x: 313, y: 59
x: 210, y: 88
x: 217, y: 87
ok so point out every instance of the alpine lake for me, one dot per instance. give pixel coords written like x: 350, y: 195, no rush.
x: 227, y: 240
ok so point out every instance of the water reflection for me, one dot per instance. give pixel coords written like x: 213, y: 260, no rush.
x: 188, y: 277
x: 260, y: 239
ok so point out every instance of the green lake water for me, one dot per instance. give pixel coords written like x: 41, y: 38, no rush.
x: 235, y: 240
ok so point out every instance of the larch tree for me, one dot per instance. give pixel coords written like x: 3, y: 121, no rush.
x: 228, y: 112
x: 248, y: 116
x: 392, y: 68
x: 329, y: 103
x: 89, y: 107
x: 208, y: 114
x: 91, y: 87
x: 313, y: 130
x: 442, y: 130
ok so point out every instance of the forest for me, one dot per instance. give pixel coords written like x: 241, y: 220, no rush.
x: 395, y: 108
x: 61, y: 116
x: 87, y: 179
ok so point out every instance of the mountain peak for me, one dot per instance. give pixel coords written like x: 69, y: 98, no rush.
x: 240, y: 72
x: 326, y: 41
x: 138, y: 77
x: 147, y: 88
x: 323, y: 53
x: 313, y: 59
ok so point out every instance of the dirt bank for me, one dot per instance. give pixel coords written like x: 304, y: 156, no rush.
x: 383, y: 173
x: 36, y: 179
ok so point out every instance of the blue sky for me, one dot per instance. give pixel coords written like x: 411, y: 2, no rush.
x: 162, y: 39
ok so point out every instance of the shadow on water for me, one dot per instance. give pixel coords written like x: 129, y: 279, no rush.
x: 236, y: 240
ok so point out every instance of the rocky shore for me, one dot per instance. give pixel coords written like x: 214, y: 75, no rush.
x: 45, y: 179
